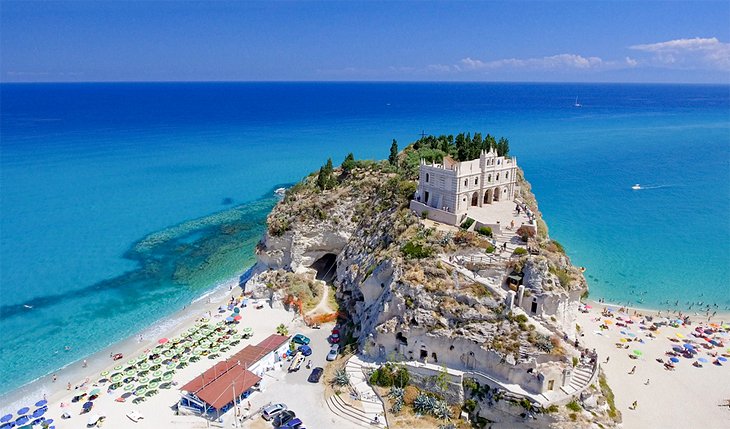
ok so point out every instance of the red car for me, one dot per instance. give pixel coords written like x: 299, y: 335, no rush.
x: 335, y: 337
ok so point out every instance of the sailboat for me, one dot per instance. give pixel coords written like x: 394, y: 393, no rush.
x: 576, y: 103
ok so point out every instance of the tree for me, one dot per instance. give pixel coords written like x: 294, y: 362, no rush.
x: 503, y: 147
x: 393, y: 158
x: 324, y: 178
x: 349, y: 163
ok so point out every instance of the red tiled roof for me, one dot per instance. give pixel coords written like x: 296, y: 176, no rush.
x: 227, y: 386
x: 216, y: 385
x: 274, y: 341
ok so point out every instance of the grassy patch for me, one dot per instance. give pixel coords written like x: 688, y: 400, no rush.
x: 608, y: 393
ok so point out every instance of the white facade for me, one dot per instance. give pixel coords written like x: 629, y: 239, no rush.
x: 446, y: 191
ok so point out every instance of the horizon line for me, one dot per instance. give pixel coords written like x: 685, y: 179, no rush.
x: 367, y: 81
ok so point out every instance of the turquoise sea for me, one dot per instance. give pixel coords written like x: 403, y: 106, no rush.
x: 122, y: 203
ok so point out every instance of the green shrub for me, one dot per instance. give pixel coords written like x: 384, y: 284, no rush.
x: 490, y: 249
x: 390, y: 375
x: 552, y: 409
x: 575, y: 361
x: 467, y: 223
x: 520, y: 251
x: 413, y: 249
x: 485, y: 230
x: 469, y: 406
x: 424, y: 214
x: 573, y: 406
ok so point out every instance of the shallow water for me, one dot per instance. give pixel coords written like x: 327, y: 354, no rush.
x: 121, y: 203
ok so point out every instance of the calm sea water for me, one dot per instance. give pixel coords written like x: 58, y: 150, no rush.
x: 121, y: 203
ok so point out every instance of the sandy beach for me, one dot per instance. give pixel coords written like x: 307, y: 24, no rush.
x: 157, y: 410
x: 687, y: 396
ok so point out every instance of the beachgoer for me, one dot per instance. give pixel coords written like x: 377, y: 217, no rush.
x: 248, y: 405
x: 54, y: 378
x: 633, y: 370
x: 634, y: 405
x: 647, y: 382
x: 68, y: 386
x: 607, y: 359
x: 85, y: 364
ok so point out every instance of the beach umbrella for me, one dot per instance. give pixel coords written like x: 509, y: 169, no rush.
x: 678, y: 349
x: 141, y: 391
x: 130, y: 373
x: 167, y: 377
x: 129, y: 387
x: 88, y: 405
x: 118, y: 367
x: 6, y: 418
x: 41, y: 403
x: 117, y: 378
x: 638, y: 352
x: 703, y: 360
x: 144, y: 366
x: 23, y: 410
x: 722, y: 359
x: 162, y: 340
x: 20, y: 421
x: 688, y: 346
x: 674, y: 359
x: 229, y: 319
x: 95, y: 392
x: 7, y: 425
x: 39, y: 412
x: 679, y: 335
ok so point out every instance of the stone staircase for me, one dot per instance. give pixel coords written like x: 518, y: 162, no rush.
x: 371, y: 405
x: 353, y: 415
x: 579, y: 379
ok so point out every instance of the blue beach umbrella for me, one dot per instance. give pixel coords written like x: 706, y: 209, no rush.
x: 41, y: 403
x: 674, y: 359
x: 722, y: 359
x: 7, y: 425
x: 229, y: 319
x: 49, y: 421
x: 39, y: 412
x: 23, y: 410
x: 6, y: 418
x: 21, y: 420
x: 688, y: 346
x: 703, y: 360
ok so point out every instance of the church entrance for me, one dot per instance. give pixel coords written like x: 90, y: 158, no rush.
x: 475, y: 199
x: 496, y: 193
x: 488, y: 197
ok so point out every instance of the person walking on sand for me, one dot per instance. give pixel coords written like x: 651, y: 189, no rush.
x: 633, y: 370
x: 68, y: 386
x: 634, y: 405
x: 54, y: 378
x: 607, y: 359
x: 647, y: 382
x: 85, y: 364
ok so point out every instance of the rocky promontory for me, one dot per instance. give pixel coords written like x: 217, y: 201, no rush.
x: 411, y: 290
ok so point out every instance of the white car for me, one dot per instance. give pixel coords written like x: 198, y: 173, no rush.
x: 270, y: 411
x: 332, y: 355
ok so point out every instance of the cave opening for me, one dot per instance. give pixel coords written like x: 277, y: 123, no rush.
x: 326, y: 267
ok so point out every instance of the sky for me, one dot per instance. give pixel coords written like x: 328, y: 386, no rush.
x: 537, y: 41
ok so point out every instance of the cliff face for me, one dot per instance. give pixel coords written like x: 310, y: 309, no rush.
x: 403, y: 296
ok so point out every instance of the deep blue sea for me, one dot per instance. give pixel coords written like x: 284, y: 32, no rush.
x: 121, y: 203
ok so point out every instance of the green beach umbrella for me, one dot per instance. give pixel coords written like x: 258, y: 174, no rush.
x: 130, y: 373
x: 104, y: 373
x: 167, y: 377
x: 118, y: 367
x: 129, y: 387
x: 131, y: 362
x: 94, y: 392
x: 157, y: 361
x: 144, y: 366
x: 638, y: 352
x: 157, y: 374
x: 117, y: 378
x: 143, y: 380
x: 154, y: 385
x: 141, y: 391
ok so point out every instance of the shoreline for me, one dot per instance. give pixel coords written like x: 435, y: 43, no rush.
x: 75, y: 373
x: 720, y: 315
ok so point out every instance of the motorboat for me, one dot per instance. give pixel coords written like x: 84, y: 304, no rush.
x: 636, y: 187
x: 280, y: 192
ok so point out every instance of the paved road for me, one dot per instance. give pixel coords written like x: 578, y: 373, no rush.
x: 305, y: 399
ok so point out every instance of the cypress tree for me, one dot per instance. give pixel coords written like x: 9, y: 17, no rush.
x: 393, y: 158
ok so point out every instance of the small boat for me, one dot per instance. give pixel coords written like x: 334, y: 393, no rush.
x: 280, y: 192
x: 576, y: 103
x: 636, y: 187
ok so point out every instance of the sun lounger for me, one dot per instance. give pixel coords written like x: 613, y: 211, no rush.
x: 135, y: 416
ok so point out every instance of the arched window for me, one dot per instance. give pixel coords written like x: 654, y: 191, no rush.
x: 426, y: 177
x: 497, y: 177
x: 506, y: 175
x: 489, y: 178
x: 476, y: 180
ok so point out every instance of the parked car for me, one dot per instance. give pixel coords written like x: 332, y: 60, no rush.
x: 296, y: 363
x: 315, y: 375
x: 300, y: 339
x: 270, y: 411
x: 294, y: 423
x: 334, y: 338
x: 305, y: 350
x: 283, y: 418
x: 334, y: 351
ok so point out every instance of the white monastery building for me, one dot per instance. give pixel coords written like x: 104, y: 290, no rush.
x: 447, y: 191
